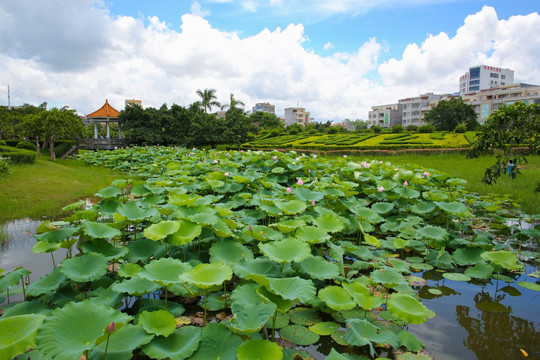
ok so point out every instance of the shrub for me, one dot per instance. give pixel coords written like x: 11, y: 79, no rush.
x: 425, y: 129
x: 412, y: 128
x: 3, y: 143
x: 4, y: 165
x: 376, y: 129
x: 18, y: 156
x: 396, y: 129
x: 27, y: 145
x: 461, y: 128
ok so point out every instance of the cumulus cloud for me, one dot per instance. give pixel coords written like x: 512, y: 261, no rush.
x: 328, y: 45
x: 123, y: 57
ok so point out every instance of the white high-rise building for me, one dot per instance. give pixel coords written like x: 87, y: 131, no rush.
x: 264, y: 107
x: 297, y: 115
x: 484, y: 77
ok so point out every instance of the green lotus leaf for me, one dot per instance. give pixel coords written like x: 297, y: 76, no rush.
x: 100, y: 231
x: 62, y: 337
x: 293, y: 288
x: 136, y: 286
x: 362, y: 296
x: 433, y: 232
x: 305, y: 194
x: 421, y: 355
x: 366, y: 214
x: 158, y: 322
x: 108, y: 206
x: 205, y: 276
x: 281, y: 320
x: 251, y: 318
x: 400, y: 265
x: 329, y: 222
x: 165, y: 271
x: 263, y: 233
x: 221, y: 229
x: 186, y: 233
x: 135, y: 213
x: 362, y: 332
x: 26, y: 308
x: 435, y: 291
x: 291, y: 207
x: 468, y: 256
x: 128, y: 270
x: 299, y: 335
x: 229, y: 251
x: 18, y: 333
x: 456, y: 276
x: 218, y: 343
x: 183, y: 199
x: 105, y: 248
x: 339, y: 337
x: 282, y: 304
x: 312, y: 234
x: 289, y: 225
x: 407, y: 308
x: 57, y: 236
x: 109, y: 192
x: 259, y: 350
x: 407, y: 192
x: 304, y: 316
x: 180, y: 345
x: 317, y: 267
x: 287, y: 250
x: 324, y: 328
x: 529, y: 285
x: 161, y: 230
x: 214, y: 301
x: 46, y: 284
x: 423, y: 207
x: 334, y: 355
x: 336, y: 298
x: 246, y: 294
x: 259, y: 266
x: 42, y: 247
x: 87, y: 267
x: 454, y: 208
x: 382, y: 207
x: 139, y: 190
x: 505, y: 259
x: 143, y: 249
x: 108, y: 297
x: 410, y: 341
x: 387, y: 276
x: 215, y: 183
x: 122, y: 343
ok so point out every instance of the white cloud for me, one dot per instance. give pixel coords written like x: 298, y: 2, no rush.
x: 197, y: 10
x: 328, y: 45
x: 119, y: 58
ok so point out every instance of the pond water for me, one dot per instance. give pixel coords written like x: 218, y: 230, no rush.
x: 480, y: 320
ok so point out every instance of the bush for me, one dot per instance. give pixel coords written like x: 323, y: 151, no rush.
x: 461, y: 128
x: 18, y: 156
x: 3, y: 143
x: 425, y: 129
x: 4, y: 165
x: 412, y: 128
x: 376, y: 129
x: 27, y: 145
x: 396, y: 129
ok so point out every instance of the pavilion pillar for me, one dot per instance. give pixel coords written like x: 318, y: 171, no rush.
x: 108, y: 136
x: 95, y: 130
x: 119, y: 130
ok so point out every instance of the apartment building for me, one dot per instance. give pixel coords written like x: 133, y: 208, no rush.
x: 297, y: 115
x: 413, y: 109
x: 385, y: 116
x: 484, y: 77
x: 264, y: 107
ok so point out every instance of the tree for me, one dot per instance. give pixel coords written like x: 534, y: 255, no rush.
x: 510, y: 127
x: 61, y: 123
x: 32, y: 126
x: 208, y: 99
x: 266, y: 120
x: 448, y: 114
x: 233, y: 103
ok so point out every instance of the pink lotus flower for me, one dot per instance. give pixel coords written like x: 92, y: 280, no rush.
x: 300, y: 182
x: 228, y: 154
x: 289, y: 190
x: 312, y: 202
x: 344, y: 156
x: 426, y: 174
x: 111, y: 327
x: 405, y: 183
x: 250, y: 228
x: 309, y: 171
x: 314, y: 156
x: 215, y: 161
x: 380, y: 189
x: 274, y: 157
x: 226, y: 174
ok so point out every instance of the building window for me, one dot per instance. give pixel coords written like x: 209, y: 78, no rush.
x: 475, y: 72
x: 493, y: 75
x: 503, y: 76
x: 474, y: 82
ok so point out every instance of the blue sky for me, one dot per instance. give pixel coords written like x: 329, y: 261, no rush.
x: 336, y: 58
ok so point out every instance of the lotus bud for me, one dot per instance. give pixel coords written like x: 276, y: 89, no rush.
x: 314, y: 156
x: 274, y: 157
x: 405, y: 183
x: 226, y: 174
x: 312, y: 202
x: 300, y: 182
x: 250, y: 228
x: 426, y: 174
x: 380, y: 189
x: 111, y: 327
x: 289, y: 190
x: 309, y: 171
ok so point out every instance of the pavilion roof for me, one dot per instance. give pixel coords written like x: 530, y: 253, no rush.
x: 106, y: 111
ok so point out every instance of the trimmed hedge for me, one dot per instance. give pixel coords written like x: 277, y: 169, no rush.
x: 18, y: 156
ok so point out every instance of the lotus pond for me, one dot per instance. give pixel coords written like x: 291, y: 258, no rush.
x: 266, y: 255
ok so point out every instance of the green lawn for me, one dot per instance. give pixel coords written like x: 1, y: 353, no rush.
x: 520, y: 189
x: 43, y: 188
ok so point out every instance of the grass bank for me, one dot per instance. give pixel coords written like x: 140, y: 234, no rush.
x: 43, y: 188
x: 520, y: 189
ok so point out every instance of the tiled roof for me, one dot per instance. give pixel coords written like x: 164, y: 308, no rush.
x: 106, y: 111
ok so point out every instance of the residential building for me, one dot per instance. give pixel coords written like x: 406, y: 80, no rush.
x: 130, y: 102
x: 487, y: 101
x: 484, y: 77
x: 264, y: 107
x: 385, y: 116
x: 297, y: 115
x: 414, y: 109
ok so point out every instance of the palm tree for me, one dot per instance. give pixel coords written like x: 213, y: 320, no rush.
x: 208, y: 99
x: 233, y: 104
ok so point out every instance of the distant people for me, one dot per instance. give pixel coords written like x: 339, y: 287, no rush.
x: 511, y: 167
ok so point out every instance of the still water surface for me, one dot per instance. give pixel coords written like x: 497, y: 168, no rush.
x: 492, y: 320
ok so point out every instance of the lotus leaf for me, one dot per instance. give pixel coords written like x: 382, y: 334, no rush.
x: 259, y: 350
x: 387, y: 276
x: 102, y: 246
x: 183, y: 199
x: 60, y: 336
x: 142, y: 249
x: 287, y: 250
x: 282, y: 320
x: 362, y: 296
x: 400, y: 265
x: 165, y: 271
x: 136, y: 286
x: 42, y: 247
x: 318, y: 268
x: 410, y: 341
x: 329, y: 222
x: 468, y: 256
x: 158, y: 322
x: 25, y: 308
x: 407, y: 192
x: 433, y: 232
x: 289, y: 225
x: 57, y: 236
x: 161, y: 230
x: 263, y: 233
x: 258, y: 266
x: 282, y: 305
x: 108, y: 206
x: 132, y: 212
x: 18, y: 333
x: 304, y: 316
x: 291, y: 207
x: 180, y: 345
x: 205, y: 276
x: 423, y: 207
x: 229, y: 251
x: 336, y: 298
x: 382, y: 207
x: 299, y: 335
x: 293, y: 288
x: 334, y: 355
x: 505, y: 259
x: 186, y: 233
x: 305, y: 194
x: 87, y: 267
x: 217, y: 343
x: 251, y: 318
x: 407, y: 308
x: 339, y: 337
x: 109, y: 192
x: 324, y: 328
x: 214, y: 301
x: 129, y: 270
x: 456, y: 276
x: 529, y: 285
x: 100, y: 231
x: 362, y: 332
x: 122, y: 343
x: 312, y: 234
x: 454, y: 208
x: 46, y: 284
